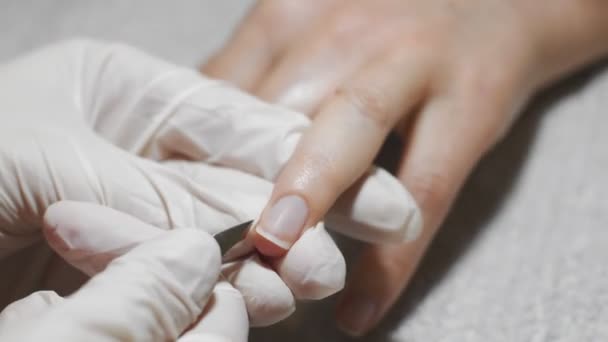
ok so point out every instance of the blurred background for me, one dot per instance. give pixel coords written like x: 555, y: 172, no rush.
x: 524, y: 254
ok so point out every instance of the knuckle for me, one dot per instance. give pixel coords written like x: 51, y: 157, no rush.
x: 272, y: 14
x: 347, y: 28
x: 492, y: 116
x: 277, y: 8
x: 371, y: 102
x: 432, y: 191
x: 485, y: 80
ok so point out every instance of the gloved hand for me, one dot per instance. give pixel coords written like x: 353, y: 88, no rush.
x: 156, y: 285
x: 107, y: 124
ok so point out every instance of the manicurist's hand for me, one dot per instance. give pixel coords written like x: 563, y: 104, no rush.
x: 448, y: 76
x: 147, y: 285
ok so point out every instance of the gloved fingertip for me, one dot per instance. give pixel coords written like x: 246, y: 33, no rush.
x: 55, y: 219
x: 267, y: 297
x: 57, y: 214
x: 378, y: 209
x: 314, y: 267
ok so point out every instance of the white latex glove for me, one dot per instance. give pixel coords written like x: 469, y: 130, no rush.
x: 105, y: 123
x: 153, y: 288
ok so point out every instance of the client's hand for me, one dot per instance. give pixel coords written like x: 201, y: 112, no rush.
x: 448, y: 76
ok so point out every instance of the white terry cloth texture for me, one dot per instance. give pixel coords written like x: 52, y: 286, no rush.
x: 521, y: 258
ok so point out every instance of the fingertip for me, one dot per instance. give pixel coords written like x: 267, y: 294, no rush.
x: 267, y: 297
x: 58, y: 224
x: 377, y: 209
x: 269, y: 245
x: 314, y: 267
x: 56, y: 214
x: 281, y: 225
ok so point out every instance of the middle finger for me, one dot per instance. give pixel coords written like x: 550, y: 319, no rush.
x: 314, y: 68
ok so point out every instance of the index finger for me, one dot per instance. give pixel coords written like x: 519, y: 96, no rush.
x: 339, y: 147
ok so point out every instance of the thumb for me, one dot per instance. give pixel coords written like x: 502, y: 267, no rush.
x: 152, y: 292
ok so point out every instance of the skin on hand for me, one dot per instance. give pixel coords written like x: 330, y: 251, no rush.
x: 448, y: 76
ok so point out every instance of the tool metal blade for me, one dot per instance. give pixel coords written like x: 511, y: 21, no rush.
x: 231, y: 236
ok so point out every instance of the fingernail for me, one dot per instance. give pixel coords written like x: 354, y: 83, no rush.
x: 356, y: 315
x: 284, y: 222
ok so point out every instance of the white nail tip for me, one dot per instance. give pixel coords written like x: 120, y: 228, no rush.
x: 282, y: 244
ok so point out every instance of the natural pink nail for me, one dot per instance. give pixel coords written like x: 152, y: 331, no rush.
x: 283, y: 223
